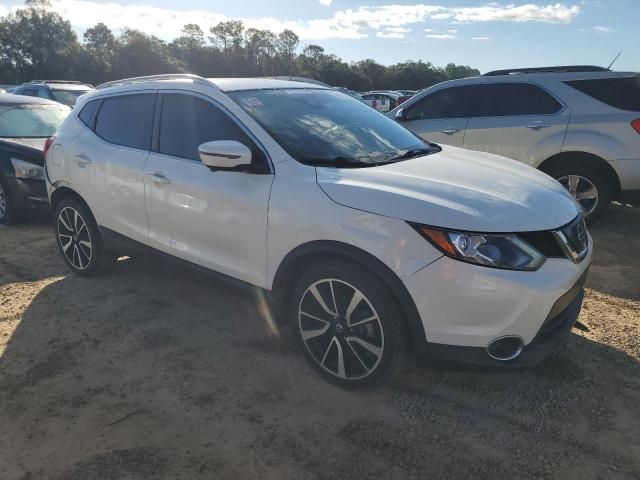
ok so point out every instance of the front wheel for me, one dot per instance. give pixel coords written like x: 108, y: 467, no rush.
x: 78, y: 238
x: 348, y: 324
x: 7, y: 212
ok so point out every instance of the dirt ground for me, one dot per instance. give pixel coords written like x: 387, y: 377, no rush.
x: 154, y: 372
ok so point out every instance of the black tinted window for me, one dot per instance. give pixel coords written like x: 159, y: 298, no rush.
x: 622, y: 93
x: 30, y: 92
x: 127, y: 120
x: 188, y: 121
x: 506, y: 99
x: 454, y: 102
x: 86, y: 114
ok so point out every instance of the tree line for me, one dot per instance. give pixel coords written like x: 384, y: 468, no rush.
x: 37, y: 43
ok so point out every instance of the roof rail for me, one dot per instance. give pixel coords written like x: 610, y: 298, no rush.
x: 293, y: 78
x: 74, y: 82
x: 560, y: 69
x: 154, y: 78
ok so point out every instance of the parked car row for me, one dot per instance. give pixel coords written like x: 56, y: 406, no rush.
x: 385, y: 100
x: 371, y: 241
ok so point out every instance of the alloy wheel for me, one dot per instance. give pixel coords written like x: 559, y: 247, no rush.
x: 341, y: 329
x: 74, y: 239
x: 3, y: 202
x: 583, y: 190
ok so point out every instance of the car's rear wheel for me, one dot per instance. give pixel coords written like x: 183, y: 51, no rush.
x: 78, y: 238
x: 590, y: 187
x: 348, y: 324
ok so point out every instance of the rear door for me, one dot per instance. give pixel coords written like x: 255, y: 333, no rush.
x: 441, y: 116
x: 217, y: 219
x: 518, y: 120
x: 106, y: 161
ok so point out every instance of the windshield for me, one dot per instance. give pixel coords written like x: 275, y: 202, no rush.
x: 329, y: 128
x: 68, y: 97
x: 31, y: 120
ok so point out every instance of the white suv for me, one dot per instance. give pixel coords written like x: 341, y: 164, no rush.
x: 579, y: 124
x: 371, y: 241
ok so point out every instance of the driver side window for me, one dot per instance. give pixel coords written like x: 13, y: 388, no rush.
x: 187, y: 121
x: 453, y: 102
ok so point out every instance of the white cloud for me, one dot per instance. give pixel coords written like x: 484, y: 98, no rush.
x: 429, y: 30
x: 480, y: 38
x: 326, y: 3
x: 441, y: 36
x: 352, y: 23
x: 388, y: 34
x: 452, y: 31
x: 600, y: 29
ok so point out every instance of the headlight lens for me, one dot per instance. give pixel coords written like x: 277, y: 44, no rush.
x: 506, y: 251
x: 27, y: 170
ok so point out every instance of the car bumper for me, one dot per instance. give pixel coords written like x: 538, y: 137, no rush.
x: 465, y: 307
x: 29, y: 196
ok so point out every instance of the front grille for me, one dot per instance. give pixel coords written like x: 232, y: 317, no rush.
x: 570, y: 241
x: 545, y: 242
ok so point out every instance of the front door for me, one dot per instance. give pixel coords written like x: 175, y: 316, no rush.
x: 217, y: 219
x: 442, y: 116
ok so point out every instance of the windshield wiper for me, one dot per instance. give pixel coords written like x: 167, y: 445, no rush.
x: 412, y: 153
x: 344, y: 162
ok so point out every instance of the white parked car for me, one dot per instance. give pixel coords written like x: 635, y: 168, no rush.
x: 581, y: 125
x: 372, y: 242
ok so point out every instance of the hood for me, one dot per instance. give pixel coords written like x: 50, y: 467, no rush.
x: 31, y: 142
x: 455, y: 188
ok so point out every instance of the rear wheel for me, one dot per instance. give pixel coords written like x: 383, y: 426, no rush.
x: 590, y: 187
x: 348, y: 324
x: 78, y: 238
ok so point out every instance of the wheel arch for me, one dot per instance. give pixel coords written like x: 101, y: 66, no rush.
x: 565, y: 159
x: 63, y: 192
x: 323, y: 250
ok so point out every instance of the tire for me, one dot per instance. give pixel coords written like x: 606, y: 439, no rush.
x: 588, y: 178
x: 8, y: 215
x: 369, y: 336
x: 78, y: 238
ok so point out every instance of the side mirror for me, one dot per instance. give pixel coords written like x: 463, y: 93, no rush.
x: 400, y: 116
x: 225, y: 154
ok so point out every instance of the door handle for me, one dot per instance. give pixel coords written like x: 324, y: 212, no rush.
x: 82, y: 160
x: 157, y: 177
x: 538, y: 125
x: 450, y: 131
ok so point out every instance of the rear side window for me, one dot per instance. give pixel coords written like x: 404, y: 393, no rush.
x: 454, y: 102
x: 127, y: 120
x: 29, y: 92
x: 187, y: 122
x: 507, y: 99
x: 622, y: 93
x: 86, y: 114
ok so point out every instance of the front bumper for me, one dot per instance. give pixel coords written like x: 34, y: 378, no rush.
x: 555, y: 329
x: 465, y: 307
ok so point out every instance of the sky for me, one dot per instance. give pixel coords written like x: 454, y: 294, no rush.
x: 484, y: 35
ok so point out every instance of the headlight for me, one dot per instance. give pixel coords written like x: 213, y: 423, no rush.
x: 27, y: 170
x: 506, y: 251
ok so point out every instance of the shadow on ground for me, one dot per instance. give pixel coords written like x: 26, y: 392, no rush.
x: 152, y: 371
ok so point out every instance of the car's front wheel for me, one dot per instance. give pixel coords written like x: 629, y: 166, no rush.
x: 347, y: 323
x: 78, y: 238
x: 7, y: 214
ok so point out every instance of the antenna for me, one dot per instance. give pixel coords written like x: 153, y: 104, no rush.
x: 614, y: 60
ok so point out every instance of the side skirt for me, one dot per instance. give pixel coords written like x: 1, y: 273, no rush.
x: 125, y: 246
